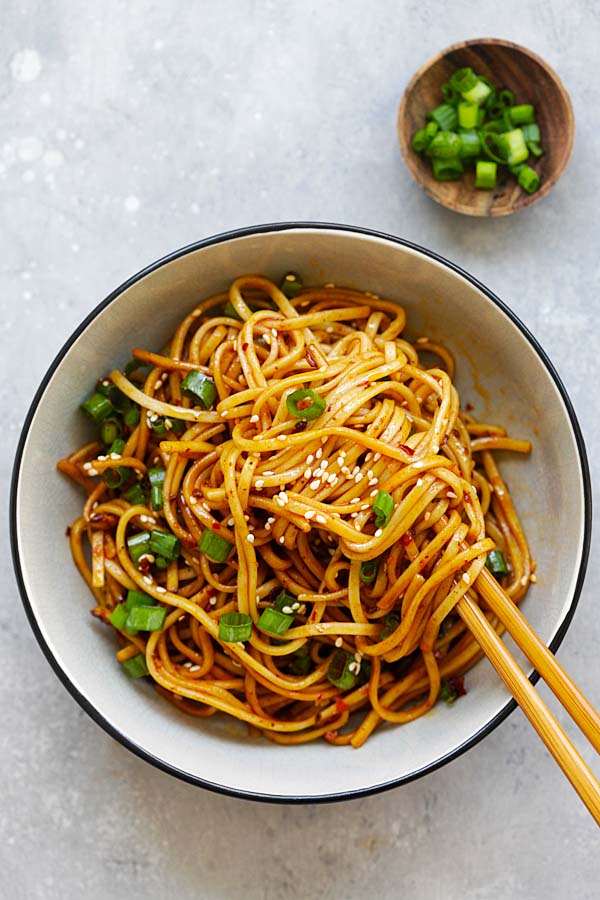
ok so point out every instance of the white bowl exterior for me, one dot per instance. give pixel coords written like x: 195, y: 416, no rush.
x: 498, y: 370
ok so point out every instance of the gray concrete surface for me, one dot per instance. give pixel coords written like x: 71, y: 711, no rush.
x: 129, y: 129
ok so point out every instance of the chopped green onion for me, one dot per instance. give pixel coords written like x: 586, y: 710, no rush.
x: 447, y: 169
x: 156, y: 477
x: 305, y: 404
x: 497, y: 126
x: 138, y: 598
x: 161, y: 562
x: 496, y: 563
x: 118, y: 616
x: 468, y: 114
x: 506, y: 97
x: 135, y: 495
x: 199, y: 387
x: 448, y: 692
x: 368, y: 571
x: 478, y: 93
x: 234, y: 627
x: 147, y: 618
x: 135, y: 666
x: 117, y: 475
x: 514, y: 148
x: 300, y: 661
x: 445, y: 145
x: 485, y: 174
x: 420, y: 141
x: 274, y: 622
x: 156, y: 497
x: 291, y: 285
x: 431, y: 129
x: 535, y: 148
x: 392, y: 620
x: 214, y: 546
x: 110, y: 430
x: 491, y: 146
x: 158, y: 424
x: 463, y: 80
x: 531, y: 132
x: 132, y: 416
x: 339, y: 672
x: 523, y: 114
x: 450, y: 94
x: 480, y: 118
x: 133, y: 365
x: 98, y: 407
x: 283, y: 601
x: 165, y: 544
x: 514, y: 170
x: 445, y: 116
x: 470, y: 144
x: 138, y: 546
x: 383, y: 508
x: 529, y: 179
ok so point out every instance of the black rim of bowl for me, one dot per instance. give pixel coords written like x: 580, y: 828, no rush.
x: 86, y: 704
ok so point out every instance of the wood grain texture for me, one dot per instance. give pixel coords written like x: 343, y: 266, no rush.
x: 509, y: 66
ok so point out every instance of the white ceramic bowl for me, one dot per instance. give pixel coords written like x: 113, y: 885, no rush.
x: 501, y: 370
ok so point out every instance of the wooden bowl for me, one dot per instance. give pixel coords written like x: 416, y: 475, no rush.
x: 532, y: 80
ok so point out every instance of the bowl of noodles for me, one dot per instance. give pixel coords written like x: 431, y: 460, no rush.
x: 282, y: 456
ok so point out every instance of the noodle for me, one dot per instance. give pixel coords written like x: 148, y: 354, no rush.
x: 372, y: 502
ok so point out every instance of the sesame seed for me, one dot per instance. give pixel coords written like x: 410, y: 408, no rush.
x: 354, y: 668
x: 282, y: 539
x: 355, y: 500
x: 320, y: 519
x: 419, y: 482
x: 358, y: 657
x: 308, y: 473
x: 157, y: 384
x: 435, y: 448
x: 241, y: 644
x: 353, y: 515
x: 357, y: 526
x: 194, y: 668
x: 369, y: 473
x: 254, y: 419
x: 309, y: 459
x: 533, y: 578
x: 359, y: 477
x: 466, y: 578
x: 268, y: 526
x: 451, y: 495
x: 332, y: 479
x: 423, y: 340
x: 365, y: 506
x: 250, y: 538
x: 319, y: 453
x: 418, y: 465
x: 281, y: 437
x: 315, y: 485
x: 524, y: 580
x: 100, y: 459
x: 338, y: 642
x: 376, y: 456
x: 274, y: 332
x: 320, y: 628
x: 355, y: 471
x: 161, y: 590
x: 147, y: 579
x: 268, y: 472
x: 187, y: 664
x: 427, y: 516
x: 92, y: 471
x: 194, y: 500
x: 87, y: 466
x: 345, y: 470
x: 270, y: 520
x: 325, y: 464
x: 379, y: 532
x: 295, y: 606
x: 286, y: 610
x: 309, y: 514
x: 260, y: 483
x: 224, y: 413
x: 213, y: 601
x: 340, y: 461
x: 373, y: 493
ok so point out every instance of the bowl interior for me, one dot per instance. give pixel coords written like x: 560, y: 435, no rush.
x: 532, y: 81
x: 501, y: 373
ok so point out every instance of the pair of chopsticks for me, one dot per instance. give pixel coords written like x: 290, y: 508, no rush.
x: 569, y: 695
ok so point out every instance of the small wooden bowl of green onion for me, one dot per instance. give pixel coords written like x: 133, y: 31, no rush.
x: 486, y: 127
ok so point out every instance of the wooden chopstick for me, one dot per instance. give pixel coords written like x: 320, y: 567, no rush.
x: 559, y: 682
x: 560, y: 746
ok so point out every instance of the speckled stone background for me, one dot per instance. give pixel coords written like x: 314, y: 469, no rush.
x: 129, y: 129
